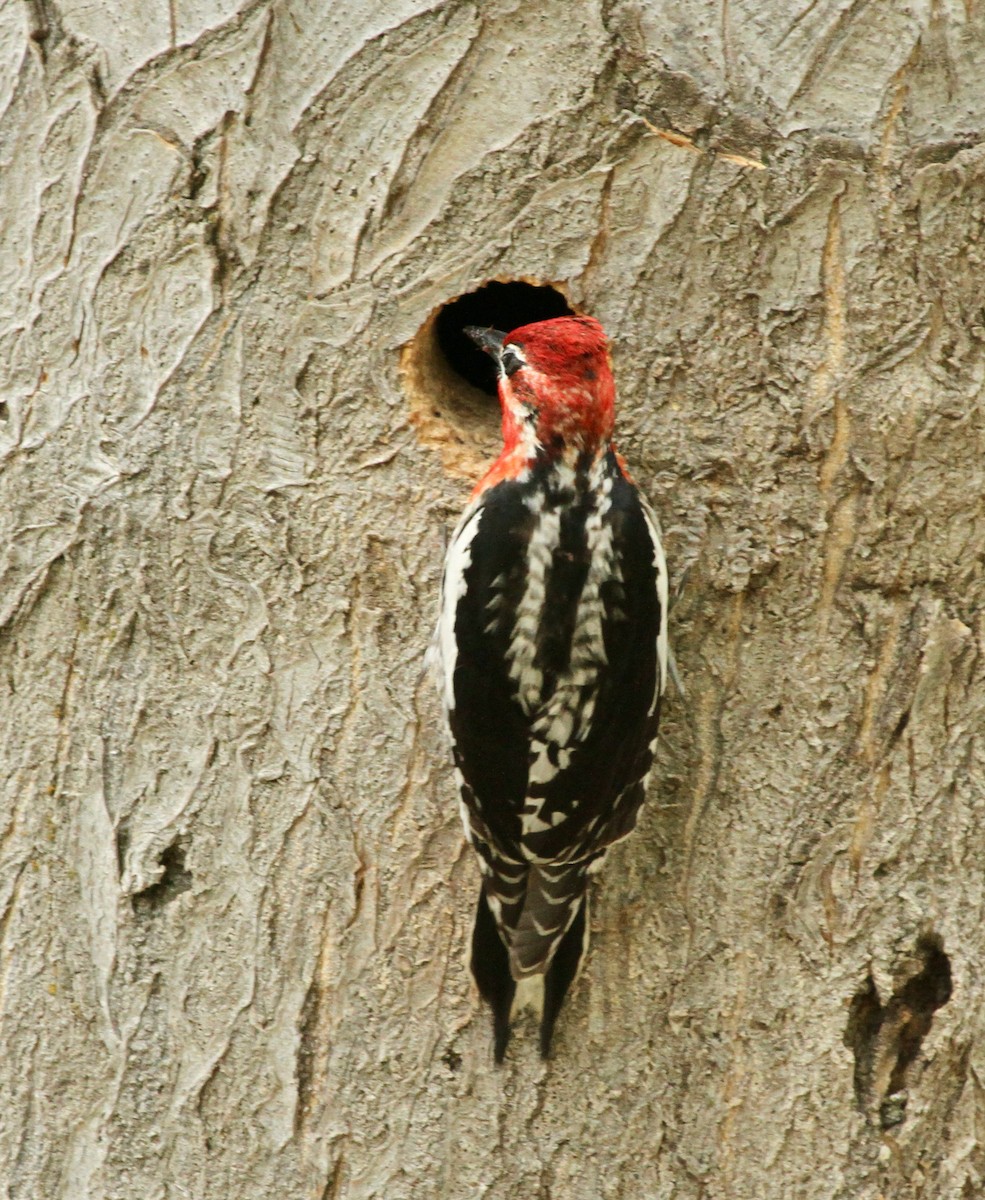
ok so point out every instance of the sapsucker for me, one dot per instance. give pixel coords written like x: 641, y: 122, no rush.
x: 552, y: 644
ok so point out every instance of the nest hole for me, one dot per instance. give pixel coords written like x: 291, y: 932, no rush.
x: 504, y: 306
x: 451, y: 384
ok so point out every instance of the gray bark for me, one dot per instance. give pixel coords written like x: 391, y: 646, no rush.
x: 234, y: 896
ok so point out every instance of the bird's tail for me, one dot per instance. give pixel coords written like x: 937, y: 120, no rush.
x: 535, y: 931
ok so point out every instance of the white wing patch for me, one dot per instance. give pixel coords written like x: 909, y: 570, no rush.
x: 453, y: 588
x: 660, y: 566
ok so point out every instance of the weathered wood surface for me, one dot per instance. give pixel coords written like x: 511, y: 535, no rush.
x: 234, y: 896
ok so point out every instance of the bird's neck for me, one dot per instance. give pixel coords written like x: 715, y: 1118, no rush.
x: 523, y: 458
x: 570, y: 427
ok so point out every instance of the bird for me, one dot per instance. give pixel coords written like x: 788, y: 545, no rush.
x: 552, y: 656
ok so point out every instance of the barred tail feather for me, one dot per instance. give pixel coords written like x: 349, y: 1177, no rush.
x: 552, y: 901
x: 531, y: 957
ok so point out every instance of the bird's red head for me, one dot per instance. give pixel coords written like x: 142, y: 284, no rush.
x: 555, y: 388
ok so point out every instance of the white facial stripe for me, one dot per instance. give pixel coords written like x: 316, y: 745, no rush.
x: 510, y: 351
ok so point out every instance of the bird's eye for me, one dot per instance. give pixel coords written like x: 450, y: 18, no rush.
x: 511, y: 360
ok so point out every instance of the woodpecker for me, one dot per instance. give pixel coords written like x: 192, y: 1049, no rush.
x: 552, y: 653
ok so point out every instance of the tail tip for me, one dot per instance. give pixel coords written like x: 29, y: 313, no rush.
x: 561, y: 974
x: 546, y: 1037
x: 490, y: 965
x: 501, y: 1039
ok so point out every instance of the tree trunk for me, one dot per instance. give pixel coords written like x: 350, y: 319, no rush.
x: 234, y: 891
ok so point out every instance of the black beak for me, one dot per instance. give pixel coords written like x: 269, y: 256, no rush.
x: 490, y: 340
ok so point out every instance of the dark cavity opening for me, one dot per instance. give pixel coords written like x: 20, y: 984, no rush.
x: 915, y: 1003
x: 886, y: 1038
x: 177, y: 878
x: 504, y: 306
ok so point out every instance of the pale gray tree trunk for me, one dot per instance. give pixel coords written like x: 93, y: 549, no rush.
x: 234, y: 895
